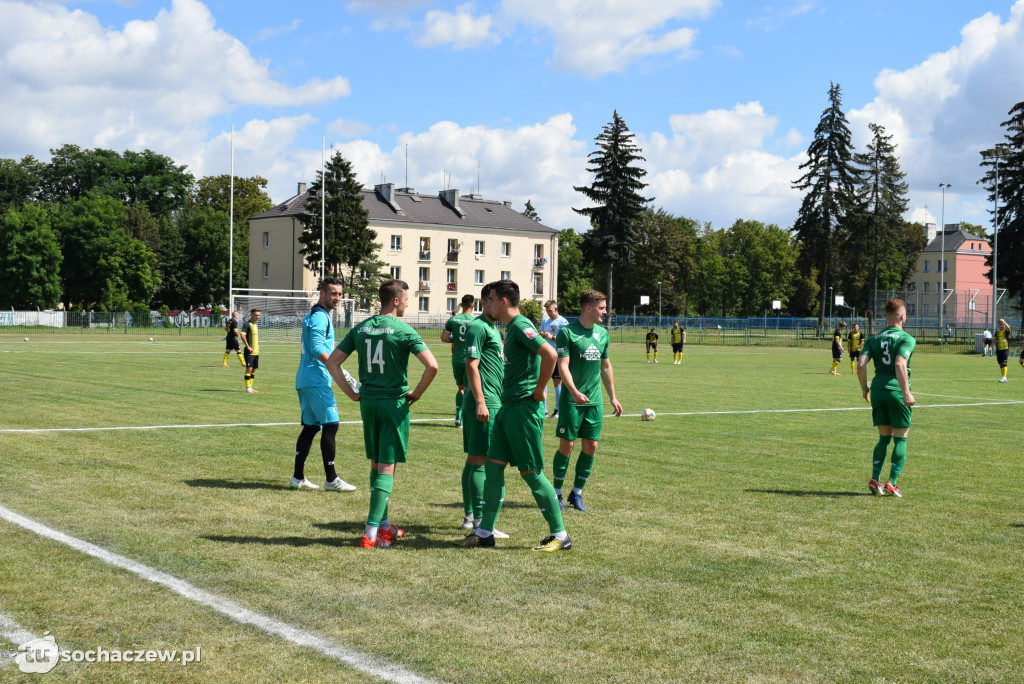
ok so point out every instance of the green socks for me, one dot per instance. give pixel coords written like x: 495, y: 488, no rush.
x: 458, y: 405
x: 560, y: 468
x: 494, y: 494
x: 379, y: 496
x: 467, y: 489
x: 584, y: 466
x: 547, y: 501
x: 878, y: 457
x: 899, y: 457
x: 473, y: 477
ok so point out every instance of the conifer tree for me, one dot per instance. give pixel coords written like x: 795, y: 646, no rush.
x: 1009, y: 221
x: 616, y: 192
x: 829, y: 183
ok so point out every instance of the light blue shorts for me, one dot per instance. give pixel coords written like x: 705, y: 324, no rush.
x: 318, y: 405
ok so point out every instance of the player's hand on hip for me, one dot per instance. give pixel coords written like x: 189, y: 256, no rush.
x: 412, y: 396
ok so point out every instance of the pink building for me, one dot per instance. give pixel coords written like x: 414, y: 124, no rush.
x: 967, y: 299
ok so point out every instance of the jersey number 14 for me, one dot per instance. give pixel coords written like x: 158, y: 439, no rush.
x: 374, y: 355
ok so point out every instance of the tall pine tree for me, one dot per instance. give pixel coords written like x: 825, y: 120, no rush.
x: 829, y: 182
x: 351, y: 244
x: 1010, y: 218
x: 616, y: 192
x: 875, y: 240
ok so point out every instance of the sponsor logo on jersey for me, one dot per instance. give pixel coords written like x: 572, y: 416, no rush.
x: 471, y: 349
x: 591, y: 354
x: 530, y: 333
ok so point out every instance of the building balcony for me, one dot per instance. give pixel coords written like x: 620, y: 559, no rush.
x: 424, y: 286
x: 424, y: 255
x: 453, y: 257
x: 452, y: 287
x: 539, y: 262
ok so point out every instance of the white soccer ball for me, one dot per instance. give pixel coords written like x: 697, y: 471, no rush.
x: 26, y: 339
x: 150, y: 339
x: 648, y: 414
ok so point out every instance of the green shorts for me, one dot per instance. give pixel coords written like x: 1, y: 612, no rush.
x: 579, y: 421
x: 459, y: 371
x: 516, y: 435
x: 476, y: 436
x: 887, y: 408
x: 385, y: 429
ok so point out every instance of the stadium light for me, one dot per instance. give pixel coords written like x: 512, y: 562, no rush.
x: 942, y: 254
x: 659, y: 303
x: 996, y: 152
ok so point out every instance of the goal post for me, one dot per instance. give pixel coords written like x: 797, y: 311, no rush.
x: 282, y: 311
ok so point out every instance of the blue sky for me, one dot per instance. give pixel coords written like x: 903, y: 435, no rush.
x: 722, y: 96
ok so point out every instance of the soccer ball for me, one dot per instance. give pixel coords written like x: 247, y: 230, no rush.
x: 648, y: 414
x: 26, y: 339
x: 150, y: 339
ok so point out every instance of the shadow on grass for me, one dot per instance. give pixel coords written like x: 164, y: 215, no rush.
x: 235, y: 484
x: 504, y: 506
x: 216, y: 390
x: 1021, y: 525
x: 804, y: 492
x: 283, y: 541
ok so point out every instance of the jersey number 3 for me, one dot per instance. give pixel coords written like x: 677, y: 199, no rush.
x: 886, y: 358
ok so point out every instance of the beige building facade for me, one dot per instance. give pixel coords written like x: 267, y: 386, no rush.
x: 443, y: 246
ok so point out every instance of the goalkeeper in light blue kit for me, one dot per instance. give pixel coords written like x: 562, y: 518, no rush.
x: 890, y: 397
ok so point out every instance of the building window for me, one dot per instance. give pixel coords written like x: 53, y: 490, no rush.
x: 478, y: 248
x: 926, y: 285
x: 425, y: 248
x: 452, y: 280
x: 506, y: 249
x: 452, y: 306
x: 911, y: 308
x: 478, y: 277
x: 925, y: 265
x: 478, y: 306
x: 424, y: 304
x: 396, y: 243
x: 972, y: 246
x: 396, y: 272
x: 538, y: 283
x: 266, y: 239
x: 924, y: 309
x: 538, y: 251
x: 453, y: 250
x: 506, y: 275
x: 424, y: 273
x: 266, y: 270
x: 945, y: 265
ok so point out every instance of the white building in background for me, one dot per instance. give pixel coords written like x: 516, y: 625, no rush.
x: 443, y: 245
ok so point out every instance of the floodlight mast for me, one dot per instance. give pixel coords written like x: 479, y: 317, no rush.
x: 942, y: 253
x: 231, y: 228
x: 996, y: 152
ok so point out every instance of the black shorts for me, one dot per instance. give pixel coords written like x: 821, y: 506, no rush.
x: 837, y: 353
x: 854, y: 355
x: 252, y: 360
x: 677, y: 347
x: 652, y: 346
x: 1002, y: 355
x: 231, y: 344
x: 555, y: 375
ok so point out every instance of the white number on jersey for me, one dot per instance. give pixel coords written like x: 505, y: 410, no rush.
x: 886, y: 358
x: 374, y: 356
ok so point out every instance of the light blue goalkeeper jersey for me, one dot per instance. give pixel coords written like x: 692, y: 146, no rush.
x: 317, y: 338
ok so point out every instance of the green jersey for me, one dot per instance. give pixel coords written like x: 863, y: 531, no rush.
x: 384, y: 344
x: 522, y: 364
x: 585, y: 350
x: 456, y: 326
x: 883, y: 349
x: 483, y: 342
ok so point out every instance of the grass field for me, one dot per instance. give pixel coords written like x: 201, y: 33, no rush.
x: 731, y: 539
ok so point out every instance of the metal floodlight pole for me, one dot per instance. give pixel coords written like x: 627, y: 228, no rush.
x: 942, y: 257
x: 231, y: 228
x: 659, y: 303
x: 997, y: 153
x: 830, y: 300
x: 323, y: 202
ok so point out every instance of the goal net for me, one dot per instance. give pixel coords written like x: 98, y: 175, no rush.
x: 282, y: 311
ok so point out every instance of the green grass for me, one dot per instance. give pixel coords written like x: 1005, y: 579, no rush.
x: 719, y: 546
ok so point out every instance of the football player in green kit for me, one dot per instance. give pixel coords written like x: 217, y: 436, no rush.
x: 519, y: 424
x: 455, y: 333
x: 584, y: 364
x: 384, y: 344
x: 890, y: 396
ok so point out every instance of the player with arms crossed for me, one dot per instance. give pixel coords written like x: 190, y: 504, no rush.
x: 856, y: 340
x: 313, y: 384
x: 384, y: 344
x: 583, y: 358
x: 251, y: 339
x: 485, y: 369
x: 455, y: 333
x: 890, y: 398
x: 519, y: 423
x: 231, y: 340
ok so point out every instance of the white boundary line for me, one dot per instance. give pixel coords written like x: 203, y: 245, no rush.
x: 369, y: 664
x: 444, y: 420
x: 14, y: 633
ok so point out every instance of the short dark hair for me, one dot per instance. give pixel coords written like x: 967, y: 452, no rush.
x: 391, y: 289
x: 485, y: 291
x: 328, y: 281
x: 506, y: 289
x: 253, y: 310
x: 591, y: 297
x: 467, y: 301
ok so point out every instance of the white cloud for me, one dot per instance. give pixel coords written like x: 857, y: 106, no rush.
x: 66, y: 78
x: 272, y: 31
x: 943, y: 111
x: 459, y: 29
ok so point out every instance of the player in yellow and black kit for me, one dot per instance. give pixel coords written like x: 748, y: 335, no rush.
x: 1002, y: 342
x: 251, y: 339
x: 837, y: 347
x: 231, y: 341
x: 856, y: 340
x: 652, y: 345
x: 678, y: 337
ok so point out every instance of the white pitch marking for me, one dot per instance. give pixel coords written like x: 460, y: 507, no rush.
x: 203, y: 425
x: 328, y: 647
x: 14, y: 633
x: 814, y: 410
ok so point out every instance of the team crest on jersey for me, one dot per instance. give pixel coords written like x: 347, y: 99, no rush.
x: 530, y: 333
x: 591, y: 354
